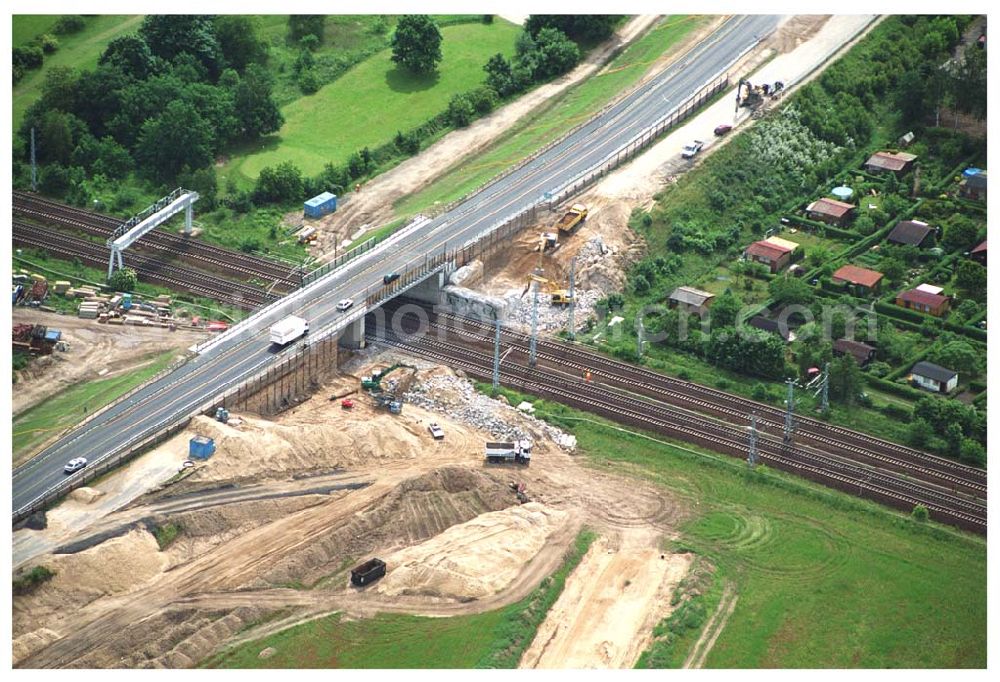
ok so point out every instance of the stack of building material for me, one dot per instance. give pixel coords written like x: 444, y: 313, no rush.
x: 89, y: 310
x: 62, y: 286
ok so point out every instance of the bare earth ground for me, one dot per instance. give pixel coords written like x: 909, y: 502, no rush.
x: 316, y: 491
x: 714, y: 628
x: 801, y: 44
x: 93, y: 349
x: 372, y: 206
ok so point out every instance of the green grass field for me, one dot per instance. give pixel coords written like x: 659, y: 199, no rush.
x: 824, y: 579
x: 369, y: 103
x: 559, y: 116
x: 495, y: 639
x: 80, y: 51
x: 33, y: 426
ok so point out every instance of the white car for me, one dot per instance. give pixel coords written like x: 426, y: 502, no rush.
x: 691, y: 149
x: 436, y: 431
x: 75, y: 465
x: 344, y: 304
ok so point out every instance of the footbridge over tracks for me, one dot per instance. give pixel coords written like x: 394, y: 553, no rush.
x: 220, y: 371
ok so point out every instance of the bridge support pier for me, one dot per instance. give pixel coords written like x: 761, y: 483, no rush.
x: 353, y: 335
x: 431, y: 290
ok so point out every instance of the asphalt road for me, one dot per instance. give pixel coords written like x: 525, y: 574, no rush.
x: 175, y: 395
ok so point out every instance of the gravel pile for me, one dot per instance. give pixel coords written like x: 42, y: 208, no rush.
x: 459, y: 400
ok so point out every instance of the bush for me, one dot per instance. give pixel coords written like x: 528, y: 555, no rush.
x: 920, y: 513
x: 69, y: 23
x: 460, y: 110
x: 898, y: 412
x: 48, y: 42
x: 27, y: 582
x: 308, y: 81
x: 279, y: 184
x: 28, y: 57
x: 124, y: 279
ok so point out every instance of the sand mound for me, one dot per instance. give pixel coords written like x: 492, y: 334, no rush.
x: 413, y: 511
x: 27, y: 644
x: 261, y: 446
x: 114, y: 567
x: 475, y: 559
x: 85, y: 495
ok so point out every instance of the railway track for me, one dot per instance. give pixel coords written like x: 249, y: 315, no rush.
x: 151, y: 270
x: 197, y: 254
x: 837, y: 440
x: 870, y: 482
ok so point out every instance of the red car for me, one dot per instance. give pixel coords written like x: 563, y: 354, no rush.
x: 721, y: 130
x: 347, y: 403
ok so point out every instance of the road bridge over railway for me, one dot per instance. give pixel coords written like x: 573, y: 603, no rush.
x: 419, y: 252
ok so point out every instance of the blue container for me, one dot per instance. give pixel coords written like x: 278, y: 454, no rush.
x: 53, y: 335
x: 126, y: 301
x: 320, y: 205
x: 969, y: 172
x: 201, y: 447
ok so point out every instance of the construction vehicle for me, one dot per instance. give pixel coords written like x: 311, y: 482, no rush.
x: 373, y: 382
x: 389, y: 401
x: 368, y: 572
x: 559, y: 296
x: 518, y: 452
x: 521, y: 491
x: 288, y: 329
x: 576, y: 214
x: 755, y: 94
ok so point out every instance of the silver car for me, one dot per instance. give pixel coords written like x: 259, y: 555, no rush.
x: 345, y: 304
x: 75, y: 465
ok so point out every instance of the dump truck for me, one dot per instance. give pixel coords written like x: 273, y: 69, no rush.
x: 518, y: 452
x: 287, y: 330
x: 368, y: 572
x: 576, y: 214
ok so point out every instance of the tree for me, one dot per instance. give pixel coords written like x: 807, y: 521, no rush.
x: 725, y: 309
x: 750, y: 351
x: 972, y: 452
x: 27, y: 57
x: 460, y: 110
x: 308, y: 81
x: 971, y: 276
x: 969, y: 85
x: 279, y: 184
x: 123, y: 279
x: 176, y: 138
x: 204, y: 182
x: 300, y: 25
x: 958, y: 355
x: 557, y: 54
x: 959, y: 234
x: 255, y: 109
x: 790, y: 290
x: 484, y: 99
x: 500, y: 76
x: 131, y: 55
x: 579, y: 27
x: 239, y: 41
x: 416, y: 43
x: 845, y: 379
x: 920, y: 433
x: 170, y: 35
x: 893, y: 268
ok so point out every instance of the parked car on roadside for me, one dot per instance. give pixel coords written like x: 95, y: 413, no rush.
x: 721, y: 130
x: 691, y: 149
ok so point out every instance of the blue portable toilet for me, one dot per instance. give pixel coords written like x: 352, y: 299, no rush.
x: 201, y: 447
x: 127, y: 301
x: 320, y: 205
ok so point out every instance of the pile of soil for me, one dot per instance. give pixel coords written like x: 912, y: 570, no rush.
x: 115, y: 567
x: 411, y: 512
x: 474, y: 559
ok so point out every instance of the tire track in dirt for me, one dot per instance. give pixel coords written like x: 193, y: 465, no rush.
x: 714, y: 628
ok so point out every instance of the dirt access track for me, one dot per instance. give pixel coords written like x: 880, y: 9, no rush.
x: 372, y: 206
x: 274, y: 520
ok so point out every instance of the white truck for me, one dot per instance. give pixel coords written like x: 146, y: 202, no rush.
x: 287, y: 330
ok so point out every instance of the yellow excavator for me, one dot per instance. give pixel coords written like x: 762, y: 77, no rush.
x: 559, y: 296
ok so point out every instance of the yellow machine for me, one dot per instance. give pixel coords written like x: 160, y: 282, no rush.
x: 559, y: 296
x: 576, y: 214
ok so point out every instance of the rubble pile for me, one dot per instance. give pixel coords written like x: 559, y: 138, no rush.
x: 550, y: 318
x: 459, y: 400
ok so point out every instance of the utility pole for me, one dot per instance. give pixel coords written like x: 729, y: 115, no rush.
x: 752, y: 455
x: 572, y: 298
x: 34, y: 165
x: 825, y: 400
x: 789, y: 410
x: 496, y: 359
x: 640, y: 341
x: 534, y: 325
